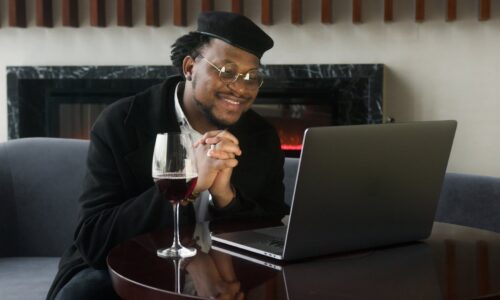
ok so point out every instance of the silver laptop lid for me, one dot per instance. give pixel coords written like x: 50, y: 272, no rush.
x: 366, y: 186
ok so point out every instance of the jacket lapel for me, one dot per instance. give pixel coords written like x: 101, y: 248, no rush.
x: 151, y: 112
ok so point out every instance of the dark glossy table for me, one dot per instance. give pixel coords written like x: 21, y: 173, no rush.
x: 456, y: 262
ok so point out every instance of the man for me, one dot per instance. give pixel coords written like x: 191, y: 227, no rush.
x: 240, y: 163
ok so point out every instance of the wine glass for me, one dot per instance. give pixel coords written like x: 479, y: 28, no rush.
x: 175, y: 174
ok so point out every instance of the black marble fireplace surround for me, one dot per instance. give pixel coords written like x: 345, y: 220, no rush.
x: 346, y: 94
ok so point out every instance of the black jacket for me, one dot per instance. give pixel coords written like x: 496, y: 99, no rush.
x: 119, y: 199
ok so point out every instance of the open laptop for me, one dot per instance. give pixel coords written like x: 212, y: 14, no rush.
x: 358, y: 187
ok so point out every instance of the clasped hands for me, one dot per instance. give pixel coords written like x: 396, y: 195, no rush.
x: 216, y: 153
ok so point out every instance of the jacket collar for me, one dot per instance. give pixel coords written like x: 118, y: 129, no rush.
x: 150, y: 113
x: 153, y: 111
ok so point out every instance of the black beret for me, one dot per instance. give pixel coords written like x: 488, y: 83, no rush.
x: 235, y: 29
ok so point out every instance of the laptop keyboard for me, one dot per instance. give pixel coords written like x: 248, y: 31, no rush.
x: 275, y: 232
x: 273, y: 239
x: 272, y: 246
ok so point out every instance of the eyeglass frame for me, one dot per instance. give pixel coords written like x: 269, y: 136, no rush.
x: 237, y: 74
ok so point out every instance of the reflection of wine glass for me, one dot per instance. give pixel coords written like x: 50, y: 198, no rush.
x: 175, y: 174
x: 177, y: 269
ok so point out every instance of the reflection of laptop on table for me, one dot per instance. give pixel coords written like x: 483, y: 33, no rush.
x: 405, y: 272
x: 359, y: 187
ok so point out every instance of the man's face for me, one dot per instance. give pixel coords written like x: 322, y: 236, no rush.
x: 222, y: 103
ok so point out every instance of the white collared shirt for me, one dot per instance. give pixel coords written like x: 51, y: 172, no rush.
x: 201, y: 203
x: 182, y: 120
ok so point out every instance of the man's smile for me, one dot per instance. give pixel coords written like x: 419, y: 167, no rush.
x: 232, y: 102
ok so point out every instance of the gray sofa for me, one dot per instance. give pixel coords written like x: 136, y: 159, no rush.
x: 470, y: 200
x: 40, y: 182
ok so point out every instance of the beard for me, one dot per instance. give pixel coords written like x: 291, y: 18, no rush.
x: 207, y: 112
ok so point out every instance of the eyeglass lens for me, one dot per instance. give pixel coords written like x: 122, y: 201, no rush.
x: 229, y: 73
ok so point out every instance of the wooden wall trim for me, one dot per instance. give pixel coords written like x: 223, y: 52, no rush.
x: 296, y: 12
x: 451, y: 10
x: 43, y: 9
x: 237, y: 6
x: 17, y: 13
x: 484, y: 10
x: 152, y: 13
x: 207, y: 5
x: 388, y: 11
x: 69, y: 11
x: 180, y: 13
x: 356, y: 11
x: 98, y: 13
x: 124, y: 13
x: 267, y: 12
x: 326, y: 11
x: 419, y: 10
x: 44, y: 15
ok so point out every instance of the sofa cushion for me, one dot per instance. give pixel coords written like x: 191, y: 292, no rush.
x: 41, y: 181
x: 470, y: 200
x: 26, y: 277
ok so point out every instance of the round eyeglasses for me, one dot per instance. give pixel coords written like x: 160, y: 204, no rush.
x: 228, y: 73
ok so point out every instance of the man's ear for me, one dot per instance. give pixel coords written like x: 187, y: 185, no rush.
x: 187, y: 67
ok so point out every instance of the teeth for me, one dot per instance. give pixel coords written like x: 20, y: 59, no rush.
x: 232, y: 102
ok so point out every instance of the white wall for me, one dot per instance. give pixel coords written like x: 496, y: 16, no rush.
x: 436, y: 70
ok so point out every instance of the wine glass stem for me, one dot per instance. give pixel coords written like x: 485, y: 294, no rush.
x: 176, y: 243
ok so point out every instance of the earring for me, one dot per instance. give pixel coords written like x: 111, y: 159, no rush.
x: 188, y: 78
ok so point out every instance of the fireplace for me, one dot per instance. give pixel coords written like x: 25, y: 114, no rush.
x: 65, y: 101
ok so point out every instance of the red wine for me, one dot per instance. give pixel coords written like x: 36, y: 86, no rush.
x: 175, y: 189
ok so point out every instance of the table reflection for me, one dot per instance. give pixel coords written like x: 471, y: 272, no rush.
x: 404, y: 272
x: 421, y: 270
x: 210, y: 274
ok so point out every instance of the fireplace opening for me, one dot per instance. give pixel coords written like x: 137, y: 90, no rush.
x: 71, y: 108
x: 293, y: 108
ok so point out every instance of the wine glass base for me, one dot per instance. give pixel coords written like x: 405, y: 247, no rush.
x: 173, y: 252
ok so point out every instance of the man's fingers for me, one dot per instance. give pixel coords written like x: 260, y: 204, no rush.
x: 215, y: 140
x: 224, y: 150
x: 213, y: 137
x: 215, y: 154
x: 203, y: 139
x: 228, y: 163
x: 225, y: 163
x: 185, y: 202
x: 224, y: 134
x: 227, y: 146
